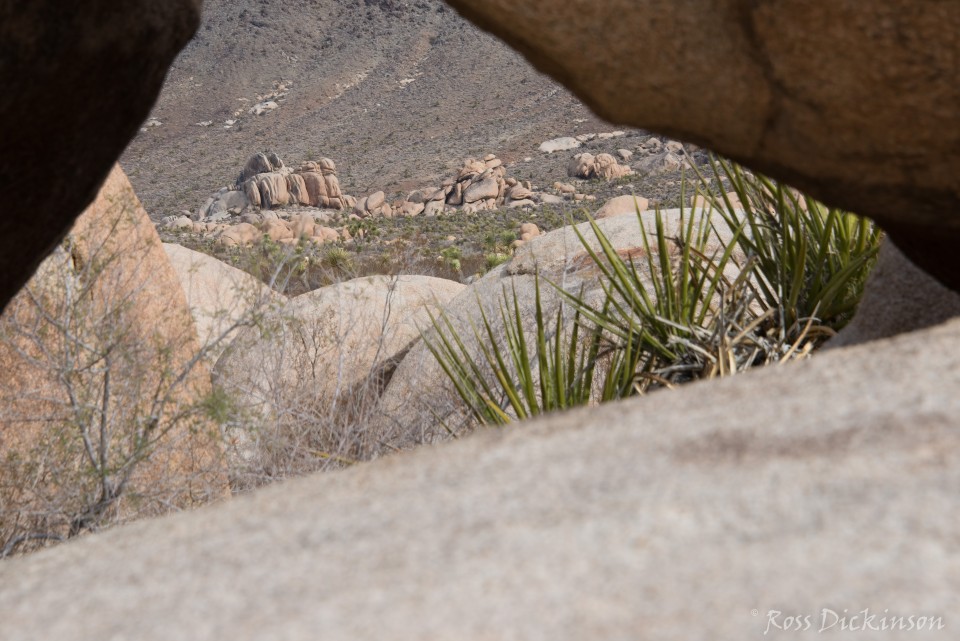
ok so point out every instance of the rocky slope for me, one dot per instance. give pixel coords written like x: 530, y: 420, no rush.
x: 398, y: 92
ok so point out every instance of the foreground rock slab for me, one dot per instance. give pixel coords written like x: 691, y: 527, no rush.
x: 78, y: 82
x: 687, y: 515
x: 853, y: 102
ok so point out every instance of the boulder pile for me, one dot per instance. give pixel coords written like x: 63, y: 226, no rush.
x: 658, y: 157
x: 414, y: 204
x: 222, y: 205
x: 373, y: 205
x: 322, y: 185
x: 269, y: 185
x: 266, y: 183
x: 243, y: 214
x: 480, y: 185
x: 299, y: 227
x: 602, y: 166
x: 566, y: 192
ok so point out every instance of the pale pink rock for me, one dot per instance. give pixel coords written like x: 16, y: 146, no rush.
x: 273, y: 190
x: 240, y: 235
x: 297, y: 188
x: 482, y: 190
x: 622, y: 205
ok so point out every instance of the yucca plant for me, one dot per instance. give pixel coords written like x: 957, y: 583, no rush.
x: 517, y: 376
x: 787, y: 273
x: 812, y: 261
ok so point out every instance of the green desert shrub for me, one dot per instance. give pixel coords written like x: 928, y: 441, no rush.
x: 553, y: 370
x: 495, y: 259
x: 811, y: 260
x: 787, y: 275
x: 451, y: 257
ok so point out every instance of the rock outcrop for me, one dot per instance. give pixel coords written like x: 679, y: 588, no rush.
x: 898, y: 298
x: 266, y: 183
x: 479, y: 185
x: 261, y: 163
x: 225, y: 204
x: 860, y: 118
x: 104, y: 327
x: 622, y: 205
x: 602, y: 166
x: 299, y: 227
x: 662, y: 162
x: 242, y: 215
x: 273, y: 190
x: 239, y: 235
x: 373, y: 205
x: 323, y: 186
x: 78, y: 84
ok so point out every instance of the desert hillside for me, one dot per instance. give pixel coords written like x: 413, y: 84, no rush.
x: 397, y: 92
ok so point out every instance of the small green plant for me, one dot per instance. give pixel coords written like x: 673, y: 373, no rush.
x: 363, y: 229
x: 451, y: 257
x: 337, y: 259
x: 495, y: 259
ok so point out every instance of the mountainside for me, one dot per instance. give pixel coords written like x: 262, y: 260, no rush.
x: 397, y: 93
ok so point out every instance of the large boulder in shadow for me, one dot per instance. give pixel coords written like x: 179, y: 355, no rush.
x: 899, y: 297
x: 101, y: 407
x: 850, y: 101
x: 691, y: 514
x: 78, y: 80
x: 422, y: 403
x: 221, y: 298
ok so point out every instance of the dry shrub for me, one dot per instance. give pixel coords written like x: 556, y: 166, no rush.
x: 102, y: 414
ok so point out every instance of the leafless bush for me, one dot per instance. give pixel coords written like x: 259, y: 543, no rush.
x: 301, y: 393
x: 109, y: 413
x: 104, y: 411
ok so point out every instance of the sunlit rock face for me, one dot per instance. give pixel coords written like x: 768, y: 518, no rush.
x: 850, y: 101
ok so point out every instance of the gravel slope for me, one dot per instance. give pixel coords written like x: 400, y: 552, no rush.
x: 348, y: 66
